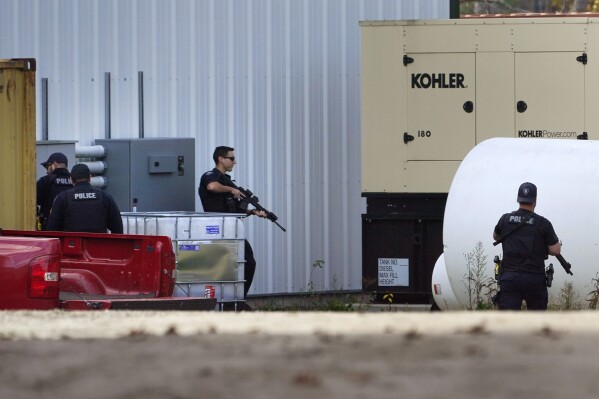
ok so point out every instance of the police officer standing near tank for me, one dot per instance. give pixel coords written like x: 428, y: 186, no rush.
x: 85, y: 208
x: 527, y: 239
x: 48, y: 187
x: 218, y: 195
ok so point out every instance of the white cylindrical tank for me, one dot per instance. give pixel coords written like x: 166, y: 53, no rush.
x: 443, y: 293
x: 566, y: 173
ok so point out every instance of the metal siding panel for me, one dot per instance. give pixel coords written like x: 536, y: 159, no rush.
x: 278, y: 94
x: 353, y: 276
x: 62, y: 94
x: 173, y: 54
x: 148, y: 59
x: 297, y: 203
x: 103, y: 32
x: 336, y: 228
x: 278, y: 80
x: 192, y: 122
x: 8, y: 31
x: 313, y: 171
x: 161, y: 36
x: 14, y: 34
x: 220, y: 54
x: 83, y: 72
x: 202, y: 110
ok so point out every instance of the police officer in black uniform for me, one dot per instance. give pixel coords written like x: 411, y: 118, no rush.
x: 48, y: 187
x: 84, y: 208
x: 217, y: 195
x: 527, y: 240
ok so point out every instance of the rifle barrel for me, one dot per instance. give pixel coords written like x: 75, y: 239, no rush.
x: 277, y: 223
x: 567, y: 266
x: 252, y: 199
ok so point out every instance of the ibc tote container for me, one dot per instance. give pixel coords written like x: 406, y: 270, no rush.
x: 17, y: 135
x: 209, y: 249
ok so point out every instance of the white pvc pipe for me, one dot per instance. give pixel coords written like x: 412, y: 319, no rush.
x: 98, y: 181
x: 96, y: 167
x: 91, y: 151
x: 566, y: 173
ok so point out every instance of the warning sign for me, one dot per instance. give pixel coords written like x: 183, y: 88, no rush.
x: 394, y: 272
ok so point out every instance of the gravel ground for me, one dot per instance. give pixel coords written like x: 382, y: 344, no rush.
x: 114, y: 354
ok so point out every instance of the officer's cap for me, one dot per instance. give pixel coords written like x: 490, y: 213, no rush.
x: 80, y: 171
x: 527, y: 193
x: 57, y: 157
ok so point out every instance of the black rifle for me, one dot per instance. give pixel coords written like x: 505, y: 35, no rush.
x: 564, y: 264
x: 250, y: 198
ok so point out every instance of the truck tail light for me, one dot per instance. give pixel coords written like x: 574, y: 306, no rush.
x: 44, y: 277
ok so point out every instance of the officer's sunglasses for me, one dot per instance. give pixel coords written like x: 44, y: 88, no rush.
x: 231, y: 158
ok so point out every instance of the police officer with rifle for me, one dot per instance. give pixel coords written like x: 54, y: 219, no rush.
x: 527, y: 239
x: 218, y: 193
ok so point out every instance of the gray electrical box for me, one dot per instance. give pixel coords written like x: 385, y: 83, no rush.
x: 155, y: 174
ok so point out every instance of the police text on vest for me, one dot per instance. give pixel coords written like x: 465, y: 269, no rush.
x: 79, y: 196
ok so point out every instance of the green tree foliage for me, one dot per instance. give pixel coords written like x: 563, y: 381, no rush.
x: 527, y: 6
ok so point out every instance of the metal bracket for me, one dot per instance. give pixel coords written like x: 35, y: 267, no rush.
x: 521, y: 106
x: 582, y: 58
x: 407, y: 60
x: 468, y: 106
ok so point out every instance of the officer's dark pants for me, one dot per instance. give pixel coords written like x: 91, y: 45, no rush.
x: 519, y: 286
x: 250, y: 268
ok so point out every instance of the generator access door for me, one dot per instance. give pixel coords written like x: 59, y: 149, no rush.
x: 550, y: 95
x: 440, y: 106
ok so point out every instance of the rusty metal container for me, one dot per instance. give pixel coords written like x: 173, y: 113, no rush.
x: 17, y: 143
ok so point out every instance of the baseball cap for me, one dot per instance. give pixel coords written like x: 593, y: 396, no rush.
x: 527, y: 193
x: 57, y: 157
x: 80, y: 171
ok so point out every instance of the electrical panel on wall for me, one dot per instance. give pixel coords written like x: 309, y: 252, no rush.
x: 151, y: 174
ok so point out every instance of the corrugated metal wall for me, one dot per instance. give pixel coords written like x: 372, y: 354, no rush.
x: 279, y: 80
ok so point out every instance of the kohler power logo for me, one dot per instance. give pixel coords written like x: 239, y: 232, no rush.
x: 437, y: 81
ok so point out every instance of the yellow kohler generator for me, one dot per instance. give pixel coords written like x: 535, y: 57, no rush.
x: 432, y: 90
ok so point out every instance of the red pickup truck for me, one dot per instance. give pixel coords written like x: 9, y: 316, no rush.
x: 49, y: 270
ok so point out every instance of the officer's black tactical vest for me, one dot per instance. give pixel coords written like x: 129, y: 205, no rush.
x: 525, y: 248
x: 57, y: 182
x: 85, y: 210
x: 218, y: 202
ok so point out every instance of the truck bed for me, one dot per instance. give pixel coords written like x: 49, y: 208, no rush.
x: 116, y: 271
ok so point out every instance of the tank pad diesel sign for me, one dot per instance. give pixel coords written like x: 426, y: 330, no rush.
x: 438, y: 81
x: 394, y: 272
